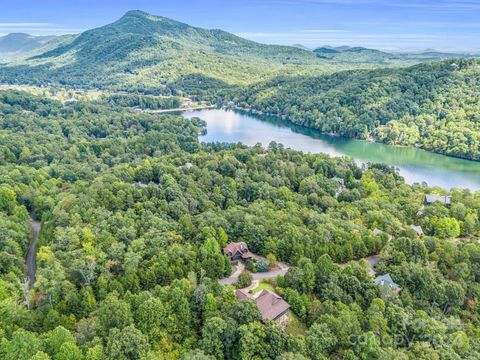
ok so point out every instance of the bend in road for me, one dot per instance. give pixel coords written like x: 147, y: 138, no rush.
x: 372, y: 262
x: 232, y: 279
x: 31, y: 259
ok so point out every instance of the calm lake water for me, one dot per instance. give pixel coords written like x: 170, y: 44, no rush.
x: 415, y: 165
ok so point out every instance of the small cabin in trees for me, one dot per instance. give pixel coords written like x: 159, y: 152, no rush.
x: 237, y: 251
x: 387, y: 281
x: 378, y: 232
x: 270, y: 305
x: 445, y: 200
x: 418, y: 230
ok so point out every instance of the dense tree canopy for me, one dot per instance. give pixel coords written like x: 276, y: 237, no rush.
x: 130, y: 247
x: 434, y: 105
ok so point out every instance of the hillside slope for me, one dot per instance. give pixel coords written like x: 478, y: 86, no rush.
x: 130, y: 248
x: 434, y: 105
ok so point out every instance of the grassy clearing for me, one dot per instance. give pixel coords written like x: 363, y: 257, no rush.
x: 295, y: 326
x: 263, y: 285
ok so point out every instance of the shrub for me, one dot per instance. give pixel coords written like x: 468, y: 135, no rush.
x: 272, y: 259
x: 262, y: 266
x: 244, y: 280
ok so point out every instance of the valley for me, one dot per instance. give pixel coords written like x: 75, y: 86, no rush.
x: 360, y: 93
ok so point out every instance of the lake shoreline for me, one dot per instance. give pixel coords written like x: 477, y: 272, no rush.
x: 416, y: 165
x: 287, y: 120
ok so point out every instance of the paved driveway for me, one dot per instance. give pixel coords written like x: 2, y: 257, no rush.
x: 283, y: 268
x: 232, y: 279
x: 372, y: 262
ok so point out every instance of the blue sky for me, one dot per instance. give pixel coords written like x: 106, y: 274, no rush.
x: 384, y: 24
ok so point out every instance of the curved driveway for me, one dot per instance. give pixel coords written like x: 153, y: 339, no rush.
x: 232, y: 279
x: 283, y: 268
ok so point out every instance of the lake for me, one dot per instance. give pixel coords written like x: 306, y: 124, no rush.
x: 415, y: 165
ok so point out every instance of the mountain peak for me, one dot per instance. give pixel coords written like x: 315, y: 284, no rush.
x: 141, y: 22
x: 140, y: 15
x: 137, y: 13
x: 18, y: 35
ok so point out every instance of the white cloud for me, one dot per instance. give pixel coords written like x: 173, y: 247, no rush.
x: 387, y: 41
x: 308, y: 33
x: 36, y: 28
x: 323, y: 31
x: 431, y: 5
x: 19, y: 24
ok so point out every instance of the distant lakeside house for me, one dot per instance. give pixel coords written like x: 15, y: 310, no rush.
x: 270, y: 305
x: 418, y: 230
x: 139, y: 184
x: 387, y: 281
x: 187, y: 166
x: 340, y: 186
x: 237, y: 251
x: 186, y: 102
x: 378, y: 232
x: 445, y: 200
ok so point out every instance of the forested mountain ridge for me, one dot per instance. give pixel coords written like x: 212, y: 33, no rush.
x: 147, y: 53
x: 150, y: 53
x: 361, y: 55
x: 20, y: 42
x: 135, y: 211
x: 138, y: 27
x: 435, y: 105
x: 130, y: 248
x: 357, y: 55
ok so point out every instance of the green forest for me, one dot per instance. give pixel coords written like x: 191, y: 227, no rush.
x: 129, y: 251
x: 433, y: 105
